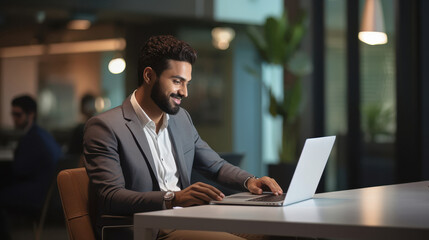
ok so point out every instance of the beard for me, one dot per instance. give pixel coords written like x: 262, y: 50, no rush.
x: 163, y: 101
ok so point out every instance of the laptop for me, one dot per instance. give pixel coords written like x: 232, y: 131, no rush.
x: 304, y: 182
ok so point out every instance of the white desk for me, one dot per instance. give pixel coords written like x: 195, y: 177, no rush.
x: 385, y: 212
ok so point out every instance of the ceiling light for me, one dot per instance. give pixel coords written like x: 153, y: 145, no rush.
x: 372, y: 30
x: 81, y: 21
x: 222, y: 36
x: 117, y: 65
x: 79, y: 24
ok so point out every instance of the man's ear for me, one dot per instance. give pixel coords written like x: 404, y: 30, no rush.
x: 149, y: 75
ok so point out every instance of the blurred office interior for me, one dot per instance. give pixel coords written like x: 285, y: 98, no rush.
x: 374, y: 98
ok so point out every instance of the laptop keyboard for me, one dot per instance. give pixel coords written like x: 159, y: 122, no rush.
x: 269, y: 198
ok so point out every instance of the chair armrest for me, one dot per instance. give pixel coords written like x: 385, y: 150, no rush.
x: 117, y: 227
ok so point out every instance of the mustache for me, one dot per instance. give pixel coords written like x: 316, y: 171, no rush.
x: 176, y: 95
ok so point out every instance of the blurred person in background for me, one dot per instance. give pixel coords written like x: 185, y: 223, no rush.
x: 87, y: 108
x: 33, y: 166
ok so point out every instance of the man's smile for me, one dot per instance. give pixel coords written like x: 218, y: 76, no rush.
x: 176, y: 98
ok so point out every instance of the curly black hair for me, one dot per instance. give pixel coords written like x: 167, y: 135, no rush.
x: 156, y: 52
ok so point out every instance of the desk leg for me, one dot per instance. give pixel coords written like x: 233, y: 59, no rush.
x: 143, y: 234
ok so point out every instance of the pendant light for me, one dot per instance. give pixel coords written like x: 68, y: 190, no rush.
x: 372, y: 30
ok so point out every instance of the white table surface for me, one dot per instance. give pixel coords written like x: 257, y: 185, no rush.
x: 386, y: 212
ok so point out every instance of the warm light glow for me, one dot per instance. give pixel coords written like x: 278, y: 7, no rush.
x: 47, y: 102
x: 117, y: 65
x: 102, y: 104
x: 222, y: 36
x: 373, y: 210
x: 104, y: 45
x: 373, y: 38
x: 99, y: 104
x: 372, y: 29
x: 79, y: 24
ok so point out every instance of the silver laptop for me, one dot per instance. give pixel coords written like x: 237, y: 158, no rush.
x: 304, y: 182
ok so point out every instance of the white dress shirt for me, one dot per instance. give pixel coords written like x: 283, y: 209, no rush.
x: 161, y: 148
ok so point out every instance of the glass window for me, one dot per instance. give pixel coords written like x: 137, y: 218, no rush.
x: 378, y: 105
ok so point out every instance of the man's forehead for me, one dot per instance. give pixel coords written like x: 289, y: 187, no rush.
x: 179, y: 69
x: 171, y: 62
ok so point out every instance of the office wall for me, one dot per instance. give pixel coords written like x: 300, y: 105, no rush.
x: 57, y: 82
x: 247, y: 115
x: 68, y: 77
x: 17, y: 76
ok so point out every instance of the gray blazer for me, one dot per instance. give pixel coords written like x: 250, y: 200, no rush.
x: 121, y: 168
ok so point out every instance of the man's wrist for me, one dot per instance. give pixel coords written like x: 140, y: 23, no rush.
x: 247, y: 180
x: 168, y: 199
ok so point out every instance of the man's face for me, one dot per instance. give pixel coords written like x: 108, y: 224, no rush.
x: 20, y: 119
x: 171, y: 86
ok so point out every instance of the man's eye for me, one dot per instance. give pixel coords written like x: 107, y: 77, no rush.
x: 176, y: 81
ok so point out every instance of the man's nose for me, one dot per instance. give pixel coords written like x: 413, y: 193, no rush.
x: 183, y: 91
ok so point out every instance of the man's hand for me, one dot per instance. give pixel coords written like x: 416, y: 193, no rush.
x: 258, y: 185
x: 197, y: 194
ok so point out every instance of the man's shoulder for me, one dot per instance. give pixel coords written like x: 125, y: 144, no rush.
x: 112, y: 119
x: 38, y: 131
x: 40, y: 138
x: 110, y: 115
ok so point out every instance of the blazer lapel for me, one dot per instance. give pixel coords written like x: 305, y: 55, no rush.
x: 136, y: 130
x: 178, y: 153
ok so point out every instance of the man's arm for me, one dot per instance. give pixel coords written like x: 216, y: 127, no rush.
x: 228, y: 174
x: 103, y: 164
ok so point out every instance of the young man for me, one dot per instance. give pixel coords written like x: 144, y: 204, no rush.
x: 139, y: 156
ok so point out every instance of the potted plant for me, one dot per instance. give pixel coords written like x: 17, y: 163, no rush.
x: 277, y: 43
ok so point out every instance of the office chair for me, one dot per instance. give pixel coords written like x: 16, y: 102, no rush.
x: 73, y: 186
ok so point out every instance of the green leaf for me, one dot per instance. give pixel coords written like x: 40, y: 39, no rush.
x: 295, y: 100
x: 297, y: 33
x: 273, y: 39
x: 258, y: 41
x: 273, y: 104
x: 278, y: 42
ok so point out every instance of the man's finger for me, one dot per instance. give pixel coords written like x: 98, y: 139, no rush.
x: 273, y: 186
x: 271, y: 183
x: 209, y: 191
x: 213, y: 192
x: 260, y: 184
x: 201, y: 196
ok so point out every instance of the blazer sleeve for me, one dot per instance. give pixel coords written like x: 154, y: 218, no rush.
x: 103, y: 165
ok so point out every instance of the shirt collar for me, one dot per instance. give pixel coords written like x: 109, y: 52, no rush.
x: 143, y: 117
